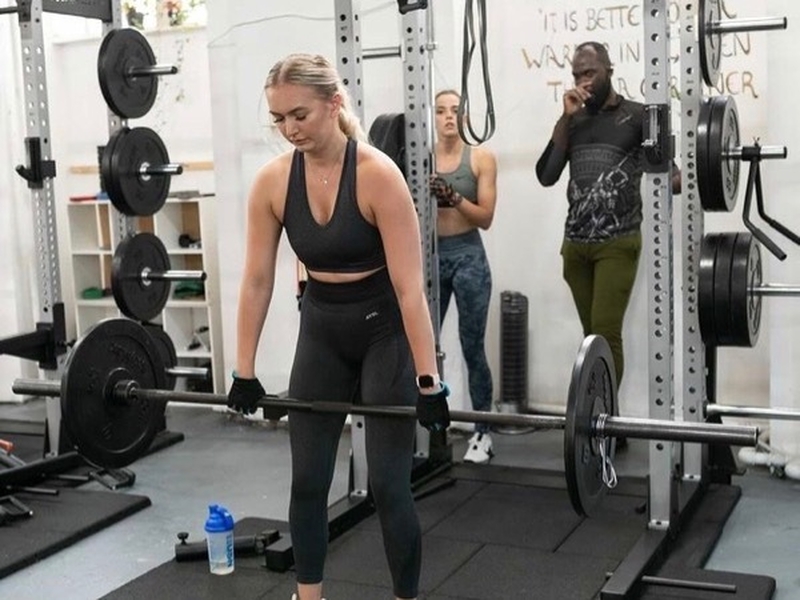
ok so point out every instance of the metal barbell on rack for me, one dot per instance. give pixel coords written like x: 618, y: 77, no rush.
x: 720, y: 153
x: 128, y: 73
x: 141, y: 276
x: 136, y: 171
x: 711, y: 27
x: 113, y: 398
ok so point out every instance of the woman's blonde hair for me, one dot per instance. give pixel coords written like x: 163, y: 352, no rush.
x: 314, y: 71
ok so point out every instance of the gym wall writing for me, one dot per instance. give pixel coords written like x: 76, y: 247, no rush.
x: 551, y: 41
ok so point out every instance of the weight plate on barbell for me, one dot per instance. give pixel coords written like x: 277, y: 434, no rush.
x: 121, y: 50
x: 135, y: 296
x: 745, y: 305
x: 710, y: 44
x: 592, y: 391
x: 705, y: 285
x: 107, y: 432
x: 717, y: 134
x: 167, y: 349
x: 138, y: 194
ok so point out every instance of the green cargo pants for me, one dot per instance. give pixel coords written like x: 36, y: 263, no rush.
x: 601, y: 277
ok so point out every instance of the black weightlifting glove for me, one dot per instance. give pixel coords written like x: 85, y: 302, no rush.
x: 245, y: 394
x: 432, y: 411
x: 446, y: 196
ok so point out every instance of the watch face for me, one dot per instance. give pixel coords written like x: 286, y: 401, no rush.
x: 426, y: 381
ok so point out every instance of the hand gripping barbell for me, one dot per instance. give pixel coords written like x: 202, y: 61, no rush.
x: 112, y: 399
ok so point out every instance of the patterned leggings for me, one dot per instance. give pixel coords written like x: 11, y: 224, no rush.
x: 464, y: 272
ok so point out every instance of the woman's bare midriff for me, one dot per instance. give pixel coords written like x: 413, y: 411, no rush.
x: 341, y: 277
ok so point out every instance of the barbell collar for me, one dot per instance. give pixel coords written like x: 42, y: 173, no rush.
x: 154, y: 71
x: 775, y: 289
x: 722, y: 410
x: 168, y: 169
x: 676, y: 431
x: 172, y: 275
x: 747, y: 25
x: 752, y: 152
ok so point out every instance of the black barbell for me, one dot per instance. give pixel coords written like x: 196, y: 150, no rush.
x: 113, y: 397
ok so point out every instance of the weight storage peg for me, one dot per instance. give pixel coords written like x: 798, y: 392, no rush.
x: 170, y: 357
x: 112, y: 400
x: 720, y: 153
x: 141, y: 276
x: 136, y: 171
x: 128, y: 73
x: 711, y: 27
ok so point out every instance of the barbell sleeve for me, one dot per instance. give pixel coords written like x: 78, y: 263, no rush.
x: 676, y: 431
x: 747, y: 25
x: 153, y: 71
x: 722, y: 410
x: 603, y: 426
x: 172, y: 275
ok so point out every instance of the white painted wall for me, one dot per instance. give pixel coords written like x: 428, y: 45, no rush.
x: 245, y: 38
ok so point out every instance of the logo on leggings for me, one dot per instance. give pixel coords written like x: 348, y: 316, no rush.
x: 371, y: 315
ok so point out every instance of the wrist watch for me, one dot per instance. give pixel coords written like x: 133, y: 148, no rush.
x: 428, y: 381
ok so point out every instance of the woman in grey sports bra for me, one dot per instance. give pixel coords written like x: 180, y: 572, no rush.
x: 466, y: 192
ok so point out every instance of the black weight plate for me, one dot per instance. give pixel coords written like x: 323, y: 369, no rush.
x: 592, y: 391
x: 106, y: 170
x: 121, y: 50
x: 717, y: 133
x: 107, y: 432
x: 137, y: 298
x: 704, y: 181
x: 723, y: 140
x: 166, y: 347
x: 710, y: 44
x: 745, y: 306
x: 138, y: 194
x: 722, y: 289
x: 706, y: 302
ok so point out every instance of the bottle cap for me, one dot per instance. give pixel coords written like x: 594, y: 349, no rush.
x: 219, y: 519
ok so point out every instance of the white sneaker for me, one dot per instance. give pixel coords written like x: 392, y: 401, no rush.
x: 479, y: 449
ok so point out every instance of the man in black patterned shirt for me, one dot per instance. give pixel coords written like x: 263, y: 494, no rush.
x: 600, y: 134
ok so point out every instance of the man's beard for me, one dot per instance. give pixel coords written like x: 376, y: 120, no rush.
x: 600, y: 94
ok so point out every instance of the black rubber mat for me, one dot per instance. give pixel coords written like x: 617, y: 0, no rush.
x: 493, y: 535
x: 59, y: 521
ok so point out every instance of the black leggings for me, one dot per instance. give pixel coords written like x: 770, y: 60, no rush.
x: 352, y: 348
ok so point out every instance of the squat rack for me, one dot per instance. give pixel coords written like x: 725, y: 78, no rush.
x: 47, y: 344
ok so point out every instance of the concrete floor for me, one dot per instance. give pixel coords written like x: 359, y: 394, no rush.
x: 245, y: 466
